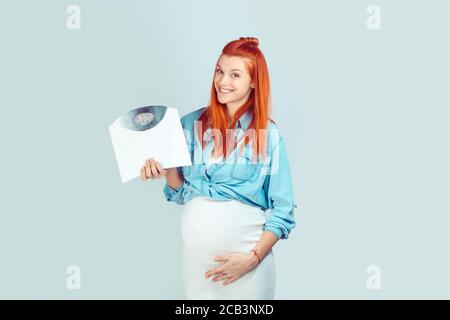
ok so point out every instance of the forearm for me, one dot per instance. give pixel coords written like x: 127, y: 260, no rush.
x: 174, y: 179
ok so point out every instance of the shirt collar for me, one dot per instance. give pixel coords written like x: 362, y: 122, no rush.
x: 243, y: 122
x: 245, y: 119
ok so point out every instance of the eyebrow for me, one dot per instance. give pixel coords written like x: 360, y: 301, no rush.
x: 231, y: 69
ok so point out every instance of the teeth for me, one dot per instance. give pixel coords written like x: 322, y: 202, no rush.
x: 225, y: 91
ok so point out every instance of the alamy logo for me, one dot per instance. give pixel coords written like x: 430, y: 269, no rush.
x: 74, y: 279
x: 374, y: 19
x: 374, y: 280
x: 74, y: 19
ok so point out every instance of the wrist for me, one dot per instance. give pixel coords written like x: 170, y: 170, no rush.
x: 174, y: 180
x: 253, y: 259
x: 256, y: 257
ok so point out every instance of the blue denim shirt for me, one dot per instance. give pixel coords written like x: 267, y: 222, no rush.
x: 265, y: 184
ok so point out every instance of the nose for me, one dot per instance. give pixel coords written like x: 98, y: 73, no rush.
x: 224, y: 80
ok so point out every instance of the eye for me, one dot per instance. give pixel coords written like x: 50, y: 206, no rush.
x: 236, y: 75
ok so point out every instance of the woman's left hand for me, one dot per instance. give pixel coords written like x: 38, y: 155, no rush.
x: 234, y: 266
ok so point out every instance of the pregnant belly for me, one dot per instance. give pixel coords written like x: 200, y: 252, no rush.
x: 211, y: 227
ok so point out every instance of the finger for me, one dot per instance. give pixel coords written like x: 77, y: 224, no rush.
x: 148, y: 171
x: 160, y: 168
x: 230, y: 280
x: 219, y: 258
x: 213, y: 272
x: 143, y: 176
x: 218, y: 271
x: 209, y: 273
x: 153, y: 168
x: 220, y: 277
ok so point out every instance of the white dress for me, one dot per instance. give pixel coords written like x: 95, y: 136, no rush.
x: 211, y: 227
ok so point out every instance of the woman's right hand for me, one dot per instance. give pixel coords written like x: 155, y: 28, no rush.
x: 152, y: 169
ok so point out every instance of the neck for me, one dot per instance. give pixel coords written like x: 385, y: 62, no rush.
x: 232, y: 109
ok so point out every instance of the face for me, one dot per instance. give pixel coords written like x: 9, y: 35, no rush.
x: 232, y: 81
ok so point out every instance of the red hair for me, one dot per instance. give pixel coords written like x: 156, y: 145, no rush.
x: 216, y: 115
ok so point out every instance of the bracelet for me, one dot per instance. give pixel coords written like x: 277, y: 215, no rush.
x: 256, y: 254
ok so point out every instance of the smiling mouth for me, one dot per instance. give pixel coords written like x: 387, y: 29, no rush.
x: 225, y: 91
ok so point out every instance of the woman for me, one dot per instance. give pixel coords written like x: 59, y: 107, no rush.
x: 240, y: 169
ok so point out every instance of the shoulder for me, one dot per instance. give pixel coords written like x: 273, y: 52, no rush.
x: 274, y: 134
x: 271, y: 125
x: 273, y: 128
x: 187, y: 121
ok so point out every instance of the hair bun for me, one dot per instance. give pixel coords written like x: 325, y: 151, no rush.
x: 252, y: 40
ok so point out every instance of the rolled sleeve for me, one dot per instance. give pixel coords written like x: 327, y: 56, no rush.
x: 170, y: 193
x: 182, y: 194
x: 279, y: 194
x: 179, y: 196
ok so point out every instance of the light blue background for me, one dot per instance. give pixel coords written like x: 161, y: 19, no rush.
x: 364, y: 114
